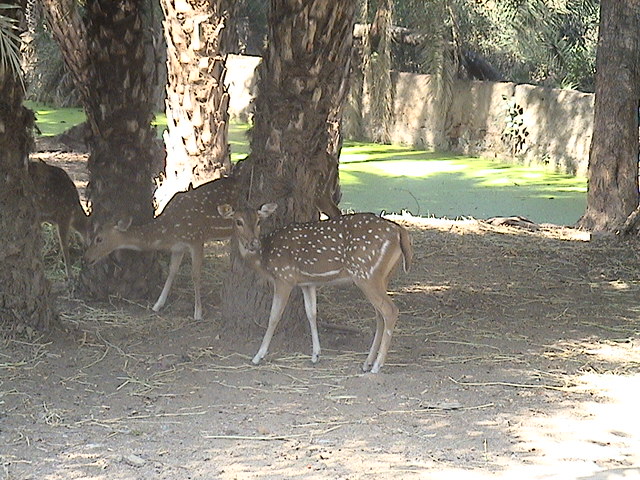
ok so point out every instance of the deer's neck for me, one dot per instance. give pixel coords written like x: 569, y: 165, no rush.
x: 256, y: 261
x: 145, y: 237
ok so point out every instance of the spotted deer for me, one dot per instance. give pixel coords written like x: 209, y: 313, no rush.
x: 189, y: 220
x: 360, y: 248
x: 58, y: 203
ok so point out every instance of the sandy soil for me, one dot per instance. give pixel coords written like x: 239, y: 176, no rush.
x: 517, y: 355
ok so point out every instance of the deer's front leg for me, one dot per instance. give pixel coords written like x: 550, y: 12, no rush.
x: 281, y: 292
x: 309, y: 293
x: 197, y: 257
x: 174, y: 265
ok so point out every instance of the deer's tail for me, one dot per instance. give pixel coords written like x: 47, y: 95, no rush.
x: 407, y: 249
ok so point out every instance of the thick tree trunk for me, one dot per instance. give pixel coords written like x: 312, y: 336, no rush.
x: 124, y: 157
x: 25, y: 298
x: 613, y: 158
x: 302, y: 86
x: 106, y: 56
x: 197, y: 97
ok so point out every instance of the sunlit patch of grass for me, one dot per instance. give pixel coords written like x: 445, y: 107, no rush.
x: 392, y: 178
x: 239, y: 141
x: 414, y: 167
x: 348, y: 178
x: 416, y: 163
x: 53, y: 121
x: 160, y: 122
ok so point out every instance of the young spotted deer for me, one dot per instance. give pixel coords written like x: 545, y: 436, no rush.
x: 58, y: 203
x: 189, y: 220
x: 360, y: 248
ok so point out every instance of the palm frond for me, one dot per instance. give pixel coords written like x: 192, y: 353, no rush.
x: 550, y: 41
x: 378, y: 75
x: 9, y: 43
x: 440, y: 47
x: 557, y: 38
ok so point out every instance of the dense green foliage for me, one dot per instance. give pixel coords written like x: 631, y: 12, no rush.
x: 550, y: 42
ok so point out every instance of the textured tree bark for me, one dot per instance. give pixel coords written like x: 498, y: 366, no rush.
x: 25, y: 298
x: 197, y: 97
x: 302, y: 86
x: 613, y: 158
x: 122, y: 163
x: 105, y: 53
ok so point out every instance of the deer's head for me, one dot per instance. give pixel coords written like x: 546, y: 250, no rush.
x: 107, y: 239
x: 246, y: 225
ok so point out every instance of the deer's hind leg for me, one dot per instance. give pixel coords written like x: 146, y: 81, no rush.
x: 375, y: 345
x: 63, y: 238
x: 386, y: 317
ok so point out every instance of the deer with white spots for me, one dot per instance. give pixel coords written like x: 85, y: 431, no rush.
x: 189, y: 219
x: 361, y: 248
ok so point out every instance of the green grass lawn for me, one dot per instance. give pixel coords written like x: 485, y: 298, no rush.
x: 53, y: 121
x: 392, y: 178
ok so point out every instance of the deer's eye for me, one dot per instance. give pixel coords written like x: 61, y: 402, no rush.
x: 239, y: 223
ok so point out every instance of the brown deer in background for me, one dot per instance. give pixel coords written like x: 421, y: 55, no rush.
x: 360, y: 248
x: 189, y: 220
x: 58, y: 203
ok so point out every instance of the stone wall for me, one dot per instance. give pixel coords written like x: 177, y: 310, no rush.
x: 560, y: 125
x: 553, y: 127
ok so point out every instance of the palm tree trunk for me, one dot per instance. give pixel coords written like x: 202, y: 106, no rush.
x: 197, y: 97
x: 121, y: 163
x: 105, y: 54
x: 613, y: 158
x: 301, y: 89
x: 25, y: 298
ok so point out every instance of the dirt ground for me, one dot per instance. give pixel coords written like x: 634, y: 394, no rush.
x: 517, y: 355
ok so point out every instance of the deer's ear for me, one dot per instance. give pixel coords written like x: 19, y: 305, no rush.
x: 267, y: 209
x: 225, y: 210
x: 123, y: 225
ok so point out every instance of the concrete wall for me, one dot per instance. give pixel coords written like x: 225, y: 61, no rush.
x: 476, y: 117
x: 556, y: 124
x: 560, y: 125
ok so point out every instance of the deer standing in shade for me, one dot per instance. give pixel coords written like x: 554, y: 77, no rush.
x: 189, y: 220
x: 360, y: 248
x: 58, y: 203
